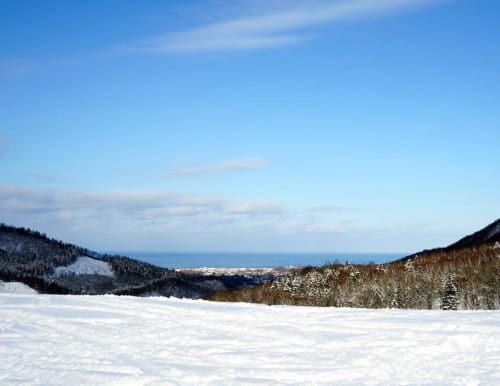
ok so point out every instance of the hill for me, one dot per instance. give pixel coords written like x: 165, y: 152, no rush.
x: 465, y: 274
x: 52, y: 266
x: 487, y: 235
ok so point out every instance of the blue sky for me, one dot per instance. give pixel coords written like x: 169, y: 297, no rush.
x: 335, y: 126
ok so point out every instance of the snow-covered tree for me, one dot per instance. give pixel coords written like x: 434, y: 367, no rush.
x: 450, y: 295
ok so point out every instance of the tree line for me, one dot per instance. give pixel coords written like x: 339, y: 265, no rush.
x: 467, y: 278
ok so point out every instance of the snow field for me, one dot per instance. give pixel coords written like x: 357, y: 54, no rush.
x: 85, y: 265
x: 14, y: 287
x: 54, y: 339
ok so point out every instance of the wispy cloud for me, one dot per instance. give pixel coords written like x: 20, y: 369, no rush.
x: 270, y: 29
x: 135, y: 208
x: 230, y: 165
x: 312, y: 227
x: 252, y: 208
x: 154, y: 210
x: 264, y: 24
x: 146, y: 220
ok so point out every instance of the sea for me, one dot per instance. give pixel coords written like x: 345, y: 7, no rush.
x: 256, y: 260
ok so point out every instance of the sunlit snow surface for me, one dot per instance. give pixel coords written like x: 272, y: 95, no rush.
x: 85, y: 265
x: 49, y: 339
x: 14, y: 287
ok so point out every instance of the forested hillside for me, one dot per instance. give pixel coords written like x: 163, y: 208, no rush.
x: 454, y: 278
x: 32, y: 258
x: 465, y: 275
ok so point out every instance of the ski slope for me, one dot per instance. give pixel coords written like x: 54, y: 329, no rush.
x: 85, y: 265
x: 57, y: 339
x: 14, y: 287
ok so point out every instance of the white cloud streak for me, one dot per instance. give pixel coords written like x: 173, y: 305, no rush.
x: 267, y: 26
x: 277, y: 28
x: 125, y: 211
x: 174, y: 211
x: 230, y: 165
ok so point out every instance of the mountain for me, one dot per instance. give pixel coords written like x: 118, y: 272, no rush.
x: 52, y: 266
x: 488, y: 234
x: 470, y: 266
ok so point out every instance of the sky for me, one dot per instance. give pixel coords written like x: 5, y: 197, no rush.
x: 250, y: 126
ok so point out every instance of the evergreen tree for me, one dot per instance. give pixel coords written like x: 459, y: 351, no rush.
x: 450, y: 295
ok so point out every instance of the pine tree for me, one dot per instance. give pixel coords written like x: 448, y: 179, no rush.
x: 450, y: 295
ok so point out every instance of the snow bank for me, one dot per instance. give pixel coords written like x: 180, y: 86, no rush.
x: 85, y: 265
x: 49, y: 339
x: 15, y: 287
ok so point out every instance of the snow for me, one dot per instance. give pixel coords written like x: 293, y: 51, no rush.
x: 57, y: 339
x: 15, y: 287
x: 84, y: 265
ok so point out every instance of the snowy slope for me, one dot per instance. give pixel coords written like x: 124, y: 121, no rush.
x: 50, y: 339
x: 15, y: 287
x: 85, y: 265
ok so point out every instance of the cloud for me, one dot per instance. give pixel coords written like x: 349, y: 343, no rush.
x: 104, y: 211
x: 252, y: 208
x: 313, y: 227
x: 264, y: 24
x: 156, y: 209
x: 271, y: 29
x: 160, y: 220
x: 230, y: 165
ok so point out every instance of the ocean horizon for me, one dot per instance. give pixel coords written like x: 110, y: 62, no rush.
x: 255, y: 260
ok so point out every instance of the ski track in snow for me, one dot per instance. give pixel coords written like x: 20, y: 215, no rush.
x: 63, y: 339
